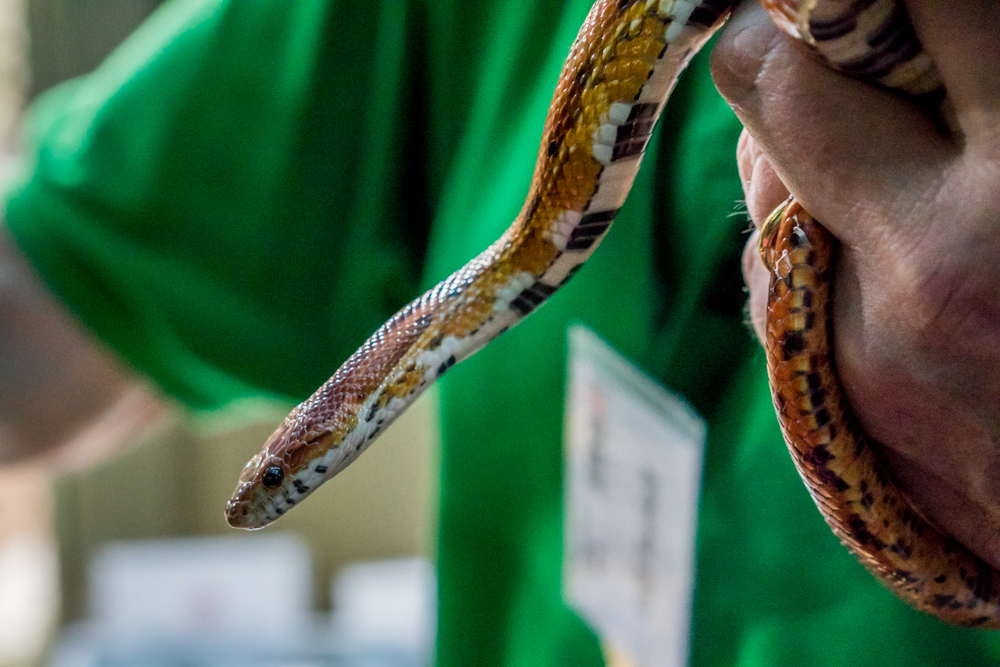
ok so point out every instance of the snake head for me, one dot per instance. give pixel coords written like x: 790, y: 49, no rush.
x: 328, y: 430
x: 288, y: 468
x: 253, y: 501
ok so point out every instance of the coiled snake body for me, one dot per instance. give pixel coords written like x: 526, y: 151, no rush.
x: 615, y: 82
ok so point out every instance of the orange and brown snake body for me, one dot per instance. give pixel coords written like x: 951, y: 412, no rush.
x: 613, y: 87
x: 869, y: 514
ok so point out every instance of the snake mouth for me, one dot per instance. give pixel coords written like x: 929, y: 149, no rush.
x: 245, y: 515
x: 238, y: 515
x: 240, y: 510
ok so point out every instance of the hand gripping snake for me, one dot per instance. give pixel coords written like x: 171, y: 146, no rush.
x: 620, y: 70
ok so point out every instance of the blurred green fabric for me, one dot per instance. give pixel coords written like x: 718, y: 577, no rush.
x: 245, y: 190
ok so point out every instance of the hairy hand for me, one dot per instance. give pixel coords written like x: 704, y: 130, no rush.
x: 917, y: 213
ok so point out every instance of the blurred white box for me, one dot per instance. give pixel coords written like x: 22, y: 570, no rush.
x: 255, y: 589
x: 387, y: 605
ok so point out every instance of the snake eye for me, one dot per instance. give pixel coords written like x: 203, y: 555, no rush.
x: 272, y: 477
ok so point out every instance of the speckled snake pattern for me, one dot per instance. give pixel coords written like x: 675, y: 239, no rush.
x: 613, y: 87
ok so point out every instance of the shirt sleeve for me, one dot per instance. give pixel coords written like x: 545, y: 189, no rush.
x: 209, y: 199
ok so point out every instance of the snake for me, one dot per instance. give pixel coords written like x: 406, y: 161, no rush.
x: 621, y: 68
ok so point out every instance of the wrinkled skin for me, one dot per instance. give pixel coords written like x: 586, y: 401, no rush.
x: 917, y: 211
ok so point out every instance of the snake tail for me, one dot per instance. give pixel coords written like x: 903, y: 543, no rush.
x: 870, y: 515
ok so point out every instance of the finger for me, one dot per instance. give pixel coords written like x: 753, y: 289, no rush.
x: 963, y: 40
x: 757, y: 281
x: 834, y: 141
x: 762, y: 188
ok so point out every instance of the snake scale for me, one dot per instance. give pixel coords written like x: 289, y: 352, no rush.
x: 616, y: 80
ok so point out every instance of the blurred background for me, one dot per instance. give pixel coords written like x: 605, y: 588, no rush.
x: 86, y: 557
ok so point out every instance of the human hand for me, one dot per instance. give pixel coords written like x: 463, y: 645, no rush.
x: 917, y: 286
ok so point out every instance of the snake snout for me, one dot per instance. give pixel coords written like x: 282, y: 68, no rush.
x: 237, y: 514
x: 240, y: 509
x: 247, y: 508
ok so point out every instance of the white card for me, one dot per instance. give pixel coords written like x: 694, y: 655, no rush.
x: 633, y: 471
x: 197, y: 587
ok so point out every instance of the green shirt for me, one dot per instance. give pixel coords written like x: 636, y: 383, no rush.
x: 245, y: 190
